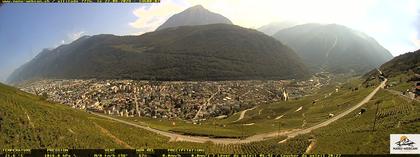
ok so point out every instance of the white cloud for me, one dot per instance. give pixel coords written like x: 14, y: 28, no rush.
x: 149, y: 18
x: 413, y: 6
x: 74, y: 36
x: 249, y: 13
x: 70, y: 38
x: 400, y: 48
x: 415, y: 39
x: 252, y: 14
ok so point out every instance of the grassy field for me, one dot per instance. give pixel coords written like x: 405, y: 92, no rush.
x: 354, y: 134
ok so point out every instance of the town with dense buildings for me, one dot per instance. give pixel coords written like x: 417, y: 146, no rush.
x: 188, y: 100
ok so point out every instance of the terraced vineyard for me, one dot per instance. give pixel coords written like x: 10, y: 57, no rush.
x: 28, y: 121
x: 293, y: 146
x: 402, y: 82
x: 42, y: 124
x: 357, y: 134
x: 397, y: 109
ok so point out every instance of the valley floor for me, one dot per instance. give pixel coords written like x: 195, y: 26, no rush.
x: 168, y: 100
x: 328, y: 120
x: 259, y: 137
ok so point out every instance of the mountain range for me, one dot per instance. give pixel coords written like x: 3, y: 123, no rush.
x: 274, y: 27
x: 334, y: 48
x: 204, y: 52
x: 402, y: 64
x: 197, y: 44
x: 407, y: 64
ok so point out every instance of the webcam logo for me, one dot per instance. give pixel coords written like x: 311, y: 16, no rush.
x: 404, y: 143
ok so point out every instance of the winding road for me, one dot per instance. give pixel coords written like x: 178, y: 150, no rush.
x: 259, y: 137
x: 329, y: 121
x: 243, y: 113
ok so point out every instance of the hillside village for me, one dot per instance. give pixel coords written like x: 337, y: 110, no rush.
x: 185, y: 100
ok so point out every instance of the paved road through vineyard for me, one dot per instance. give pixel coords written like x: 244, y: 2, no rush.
x: 259, y: 137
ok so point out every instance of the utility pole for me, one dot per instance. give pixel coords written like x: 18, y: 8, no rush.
x: 377, y: 108
x: 278, y: 131
x: 242, y: 131
x: 215, y: 127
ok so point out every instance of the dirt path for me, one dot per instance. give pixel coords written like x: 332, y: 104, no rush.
x: 289, y: 133
x: 71, y: 131
x: 243, y: 113
x: 304, y: 120
x: 310, y: 147
x: 29, y: 119
x: 116, y: 139
x: 259, y: 112
x: 329, y: 121
x: 279, y: 117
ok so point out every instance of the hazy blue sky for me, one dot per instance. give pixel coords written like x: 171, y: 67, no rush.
x: 26, y: 29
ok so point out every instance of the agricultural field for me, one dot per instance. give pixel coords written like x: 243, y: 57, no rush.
x: 357, y: 134
x: 402, y: 82
x: 28, y: 121
x: 43, y: 124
